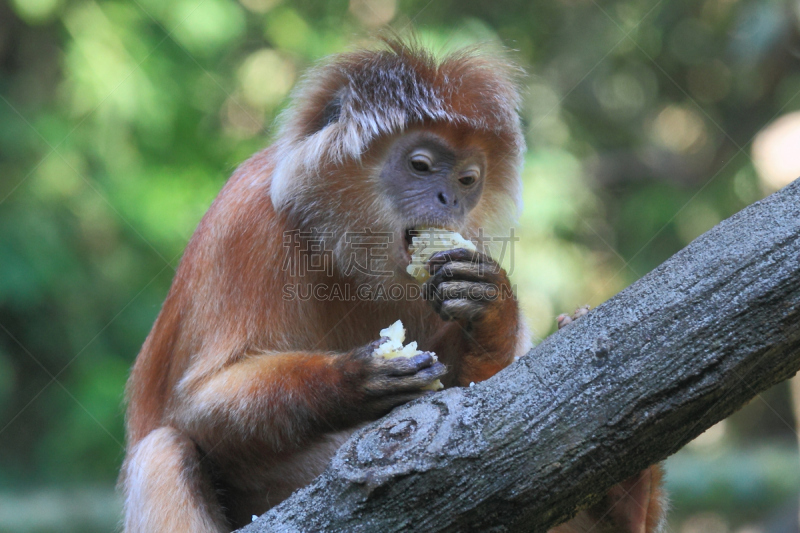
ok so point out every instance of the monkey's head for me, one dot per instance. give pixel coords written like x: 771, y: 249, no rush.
x: 393, y: 139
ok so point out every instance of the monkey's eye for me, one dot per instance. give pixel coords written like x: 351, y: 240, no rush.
x: 421, y: 161
x: 468, y: 178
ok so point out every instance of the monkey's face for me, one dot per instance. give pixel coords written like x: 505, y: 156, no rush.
x: 381, y: 142
x: 430, y: 180
x: 431, y: 175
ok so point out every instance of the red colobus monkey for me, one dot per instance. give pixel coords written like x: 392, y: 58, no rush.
x: 240, y: 395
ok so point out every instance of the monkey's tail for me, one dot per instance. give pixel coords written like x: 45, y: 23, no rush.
x: 166, y: 489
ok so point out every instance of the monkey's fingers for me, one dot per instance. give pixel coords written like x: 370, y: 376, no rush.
x: 465, y: 290
x: 565, y: 319
x: 461, y: 309
x: 383, y: 384
x: 383, y: 404
x: 368, y: 351
x: 461, y: 255
x: 424, y: 377
x: 462, y: 270
x: 461, y: 280
x: 581, y: 311
x: 404, y: 366
x: 463, y: 300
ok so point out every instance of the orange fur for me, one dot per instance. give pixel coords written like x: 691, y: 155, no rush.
x: 637, y: 505
x: 240, y: 396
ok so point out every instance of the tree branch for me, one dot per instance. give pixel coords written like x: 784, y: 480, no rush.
x: 618, y: 390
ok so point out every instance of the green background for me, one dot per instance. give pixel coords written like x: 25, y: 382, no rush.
x: 121, y: 120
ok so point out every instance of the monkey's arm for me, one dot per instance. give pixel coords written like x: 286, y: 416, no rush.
x: 285, y: 400
x: 473, y: 292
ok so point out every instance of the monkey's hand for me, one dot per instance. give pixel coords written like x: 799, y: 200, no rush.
x: 468, y: 286
x: 387, y: 383
x: 564, y: 320
x: 471, y: 289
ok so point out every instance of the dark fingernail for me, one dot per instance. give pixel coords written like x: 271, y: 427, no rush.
x: 421, y: 358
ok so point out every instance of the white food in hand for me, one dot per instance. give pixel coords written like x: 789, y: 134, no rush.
x: 427, y: 242
x: 393, y: 347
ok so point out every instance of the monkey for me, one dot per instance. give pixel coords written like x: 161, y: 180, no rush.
x: 243, y: 390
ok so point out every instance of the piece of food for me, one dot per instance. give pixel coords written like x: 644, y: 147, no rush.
x: 393, y: 347
x: 427, y: 242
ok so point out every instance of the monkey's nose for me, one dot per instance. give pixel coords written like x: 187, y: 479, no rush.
x: 447, y: 199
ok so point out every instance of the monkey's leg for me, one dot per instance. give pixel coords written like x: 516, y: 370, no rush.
x: 637, y: 505
x: 166, y: 488
x: 262, y: 410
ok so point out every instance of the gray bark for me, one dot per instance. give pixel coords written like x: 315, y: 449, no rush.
x: 616, y: 391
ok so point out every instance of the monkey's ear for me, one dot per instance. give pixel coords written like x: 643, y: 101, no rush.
x: 332, y: 111
x: 307, y: 142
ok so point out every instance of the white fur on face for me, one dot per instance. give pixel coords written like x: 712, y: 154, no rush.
x: 382, y: 93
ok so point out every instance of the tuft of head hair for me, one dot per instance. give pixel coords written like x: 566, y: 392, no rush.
x: 347, y: 102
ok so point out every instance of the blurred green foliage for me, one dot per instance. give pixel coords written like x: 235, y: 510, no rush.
x: 121, y: 119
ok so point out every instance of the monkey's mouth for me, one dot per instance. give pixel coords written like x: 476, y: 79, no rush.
x: 408, y: 234
x: 415, y: 231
